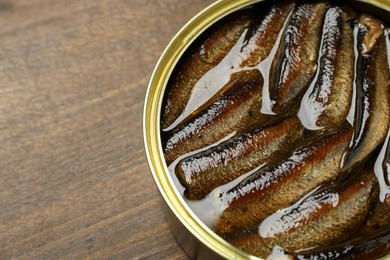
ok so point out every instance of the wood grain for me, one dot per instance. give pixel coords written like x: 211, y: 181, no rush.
x: 74, y: 182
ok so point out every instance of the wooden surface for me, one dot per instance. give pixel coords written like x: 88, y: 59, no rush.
x: 74, y: 182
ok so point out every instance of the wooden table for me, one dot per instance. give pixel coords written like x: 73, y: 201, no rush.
x: 74, y: 182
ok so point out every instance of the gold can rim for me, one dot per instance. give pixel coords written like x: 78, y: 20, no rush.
x: 151, y: 119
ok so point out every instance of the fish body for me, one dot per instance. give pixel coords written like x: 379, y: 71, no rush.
x: 328, y: 99
x: 203, y: 172
x: 368, y: 246
x: 234, y: 110
x: 210, y: 52
x: 296, y: 59
x: 264, y: 34
x: 380, y: 215
x: 371, y: 117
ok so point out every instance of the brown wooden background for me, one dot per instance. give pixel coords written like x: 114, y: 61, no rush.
x: 74, y: 182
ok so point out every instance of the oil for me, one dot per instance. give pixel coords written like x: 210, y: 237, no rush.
x: 309, y: 109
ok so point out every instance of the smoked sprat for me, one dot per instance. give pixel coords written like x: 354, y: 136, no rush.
x: 276, y: 122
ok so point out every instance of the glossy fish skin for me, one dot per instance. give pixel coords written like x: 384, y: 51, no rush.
x: 321, y: 224
x: 380, y: 215
x: 371, y: 119
x: 372, y: 246
x: 330, y: 98
x: 279, y: 185
x: 203, y: 172
x: 296, y: 59
x: 265, y: 33
x: 212, y: 50
x: 234, y: 110
x: 388, y: 49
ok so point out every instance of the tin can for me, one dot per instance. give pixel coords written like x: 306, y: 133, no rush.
x: 197, y: 240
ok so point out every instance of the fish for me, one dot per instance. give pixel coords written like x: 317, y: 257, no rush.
x: 277, y: 186
x: 204, y: 171
x: 327, y: 101
x: 206, y: 55
x: 329, y: 215
x: 233, y: 111
x: 296, y: 59
x: 264, y: 34
x: 380, y: 215
x: 368, y: 246
x: 372, y: 105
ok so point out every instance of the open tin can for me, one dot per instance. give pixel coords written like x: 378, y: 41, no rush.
x: 198, y: 240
